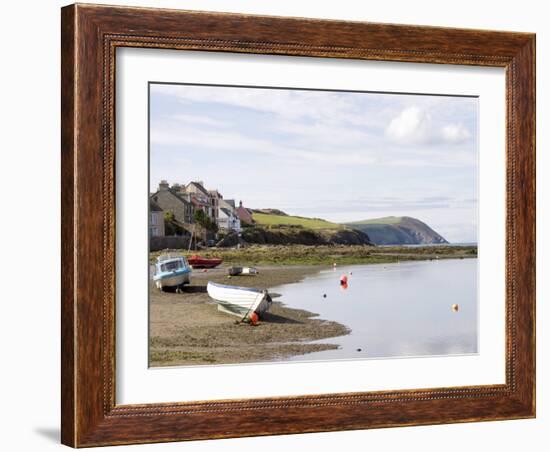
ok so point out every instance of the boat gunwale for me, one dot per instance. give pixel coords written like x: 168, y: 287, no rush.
x: 247, y: 289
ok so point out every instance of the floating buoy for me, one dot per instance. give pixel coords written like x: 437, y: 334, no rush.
x: 358, y: 349
x: 343, y: 280
x: 350, y: 273
x: 324, y: 295
x: 253, y: 318
x: 454, y: 307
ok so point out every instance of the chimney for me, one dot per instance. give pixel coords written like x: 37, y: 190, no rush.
x: 163, y: 186
x: 240, y: 203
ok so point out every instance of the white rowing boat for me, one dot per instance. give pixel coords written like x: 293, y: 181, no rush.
x: 239, y: 301
x: 237, y: 271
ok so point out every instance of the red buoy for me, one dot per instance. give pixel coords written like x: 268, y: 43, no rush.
x: 343, y: 280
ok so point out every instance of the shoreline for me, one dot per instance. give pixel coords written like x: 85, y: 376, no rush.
x: 187, y: 329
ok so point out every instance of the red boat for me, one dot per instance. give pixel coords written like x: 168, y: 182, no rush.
x: 203, y: 262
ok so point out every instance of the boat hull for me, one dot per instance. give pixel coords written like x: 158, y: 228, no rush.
x: 239, y: 301
x: 238, y: 271
x: 174, y: 280
x: 199, y: 262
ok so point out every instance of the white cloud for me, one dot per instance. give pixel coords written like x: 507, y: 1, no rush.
x: 414, y: 125
x: 455, y: 133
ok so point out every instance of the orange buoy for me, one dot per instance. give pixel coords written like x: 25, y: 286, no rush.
x: 253, y: 318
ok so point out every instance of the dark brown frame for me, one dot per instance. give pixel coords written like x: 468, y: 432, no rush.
x: 90, y: 35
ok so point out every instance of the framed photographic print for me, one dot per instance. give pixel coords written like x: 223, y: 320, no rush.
x: 281, y: 225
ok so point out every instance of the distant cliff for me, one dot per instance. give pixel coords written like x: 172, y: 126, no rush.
x: 398, y: 231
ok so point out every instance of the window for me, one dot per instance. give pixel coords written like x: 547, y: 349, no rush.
x: 171, y: 266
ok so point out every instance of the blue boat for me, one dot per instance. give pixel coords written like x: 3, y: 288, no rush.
x: 171, y: 272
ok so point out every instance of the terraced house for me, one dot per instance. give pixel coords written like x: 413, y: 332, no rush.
x: 182, y: 201
x: 175, y: 200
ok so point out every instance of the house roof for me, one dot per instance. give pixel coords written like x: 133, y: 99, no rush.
x: 199, y: 186
x: 227, y: 205
x: 231, y: 202
x: 226, y: 211
x: 173, y: 193
x: 153, y: 206
x: 245, y: 215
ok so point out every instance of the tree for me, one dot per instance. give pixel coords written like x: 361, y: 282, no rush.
x: 205, y: 222
x: 171, y: 227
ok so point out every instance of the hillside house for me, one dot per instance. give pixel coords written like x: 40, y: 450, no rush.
x: 175, y: 201
x: 244, y: 214
x: 200, y: 198
x: 228, y: 219
x: 215, y: 198
x: 156, y: 220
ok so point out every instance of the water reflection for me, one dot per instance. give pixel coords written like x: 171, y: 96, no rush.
x: 394, y: 310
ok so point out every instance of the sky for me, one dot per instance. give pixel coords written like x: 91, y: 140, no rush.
x: 341, y: 156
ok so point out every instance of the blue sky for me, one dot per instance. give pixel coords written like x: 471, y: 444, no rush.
x: 336, y: 155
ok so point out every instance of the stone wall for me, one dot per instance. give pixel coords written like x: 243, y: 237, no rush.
x: 171, y: 242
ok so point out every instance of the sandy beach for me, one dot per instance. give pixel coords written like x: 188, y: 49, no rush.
x: 188, y: 329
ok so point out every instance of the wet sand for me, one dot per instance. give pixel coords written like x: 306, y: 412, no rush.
x: 188, y: 329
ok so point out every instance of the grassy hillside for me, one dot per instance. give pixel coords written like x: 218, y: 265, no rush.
x: 383, y: 220
x: 264, y: 219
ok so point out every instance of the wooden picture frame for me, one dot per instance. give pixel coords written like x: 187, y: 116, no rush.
x: 90, y: 36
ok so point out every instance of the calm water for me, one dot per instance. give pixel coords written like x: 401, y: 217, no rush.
x: 393, y: 310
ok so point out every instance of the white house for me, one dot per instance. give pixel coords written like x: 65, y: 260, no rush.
x: 228, y: 218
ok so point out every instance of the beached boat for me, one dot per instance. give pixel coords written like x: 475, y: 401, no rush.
x: 171, y: 271
x: 204, y: 262
x: 239, y: 301
x: 237, y: 271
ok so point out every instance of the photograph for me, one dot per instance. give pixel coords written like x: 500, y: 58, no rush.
x: 291, y: 225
